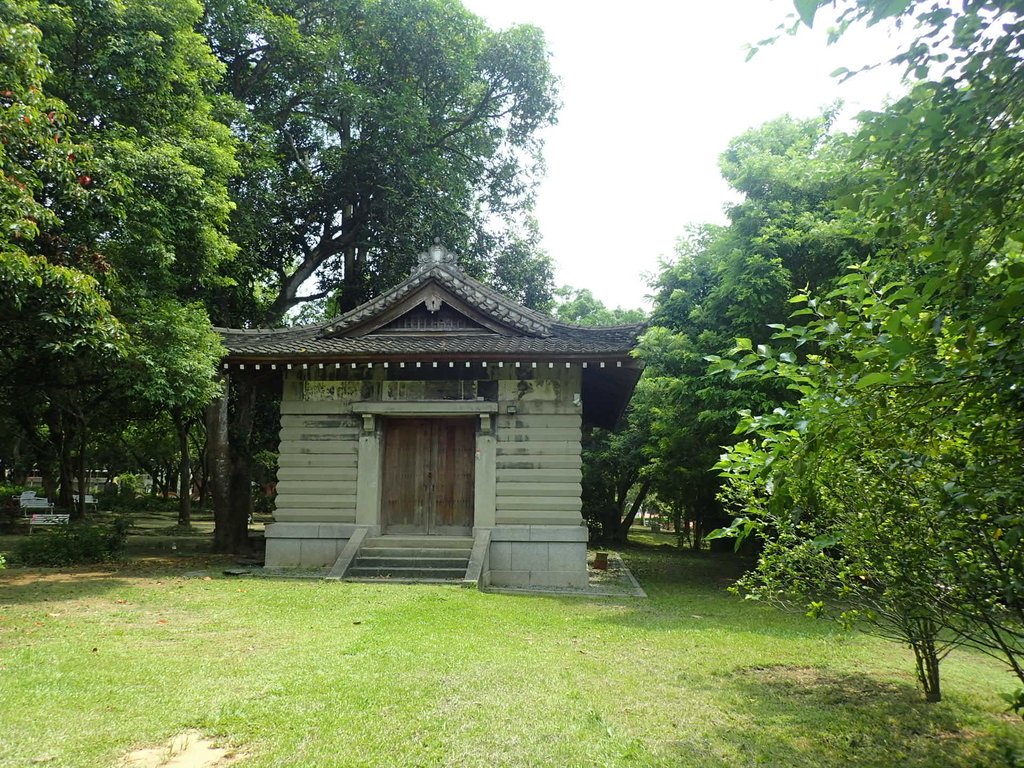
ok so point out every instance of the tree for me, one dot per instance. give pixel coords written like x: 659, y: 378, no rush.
x: 37, y: 157
x: 616, y: 481
x: 177, y: 356
x: 951, y: 185
x: 60, y: 340
x: 138, y: 81
x: 60, y: 332
x: 115, y: 188
x: 369, y: 127
x: 933, y: 354
x: 579, y: 306
x: 731, y: 281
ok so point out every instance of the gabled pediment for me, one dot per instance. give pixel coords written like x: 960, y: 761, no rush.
x: 432, y: 307
x: 439, y: 298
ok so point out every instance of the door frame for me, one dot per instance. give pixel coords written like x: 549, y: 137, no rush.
x: 417, y: 477
x: 371, y: 454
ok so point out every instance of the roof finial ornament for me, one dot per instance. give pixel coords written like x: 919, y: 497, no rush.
x: 436, y: 254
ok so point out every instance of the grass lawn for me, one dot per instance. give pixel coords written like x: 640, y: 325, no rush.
x: 97, y: 662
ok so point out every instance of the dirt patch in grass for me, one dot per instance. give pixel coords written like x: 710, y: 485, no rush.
x: 189, y: 749
x: 813, y: 681
x: 16, y: 577
x: 155, y: 567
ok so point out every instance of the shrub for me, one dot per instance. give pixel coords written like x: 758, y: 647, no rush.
x: 74, y: 544
x: 8, y: 502
x: 263, y: 504
x: 128, y: 485
x: 145, y: 505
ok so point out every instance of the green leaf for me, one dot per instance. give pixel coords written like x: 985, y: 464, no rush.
x: 872, y: 379
x: 721, y: 533
x: 806, y: 9
x: 823, y: 542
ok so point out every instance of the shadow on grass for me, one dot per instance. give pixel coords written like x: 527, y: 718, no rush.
x: 688, y: 592
x: 671, y: 566
x: 807, y: 716
x: 23, y: 586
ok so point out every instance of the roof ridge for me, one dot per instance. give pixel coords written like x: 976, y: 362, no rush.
x: 267, y: 331
x: 453, y: 278
x: 458, y: 274
x: 618, y: 327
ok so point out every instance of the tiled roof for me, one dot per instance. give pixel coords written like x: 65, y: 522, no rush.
x: 531, y: 333
x: 307, y: 342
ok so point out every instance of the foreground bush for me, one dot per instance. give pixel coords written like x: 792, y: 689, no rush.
x: 74, y: 544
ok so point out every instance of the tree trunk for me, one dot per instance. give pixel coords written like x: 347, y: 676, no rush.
x: 82, y: 441
x: 184, y: 471
x: 624, y: 524
x: 239, y: 432
x: 59, y: 437
x: 219, y: 467
x: 204, y: 484
x: 19, y: 472
x: 48, y: 479
x: 201, y: 473
x: 927, y: 658
x: 349, y: 297
x: 170, y: 476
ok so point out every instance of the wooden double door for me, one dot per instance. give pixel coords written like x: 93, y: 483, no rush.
x: 427, y: 476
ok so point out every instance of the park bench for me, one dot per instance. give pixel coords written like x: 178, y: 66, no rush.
x: 29, y: 503
x: 90, y: 501
x: 47, y: 518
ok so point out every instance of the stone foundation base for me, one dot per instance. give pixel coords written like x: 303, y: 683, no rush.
x: 537, y: 556
x: 305, y: 545
x: 518, y: 556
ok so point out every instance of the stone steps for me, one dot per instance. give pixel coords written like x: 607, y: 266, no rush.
x: 412, y: 558
x: 429, y: 552
x: 406, y: 574
x: 406, y: 560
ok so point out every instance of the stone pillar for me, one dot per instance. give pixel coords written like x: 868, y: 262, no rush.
x: 484, y: 486
x: 368, y: 469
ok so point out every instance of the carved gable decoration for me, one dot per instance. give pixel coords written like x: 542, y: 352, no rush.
x: 432, y: 317
x: 439, y: 298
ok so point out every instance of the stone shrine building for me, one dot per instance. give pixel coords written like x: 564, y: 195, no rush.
x: 435, y: 431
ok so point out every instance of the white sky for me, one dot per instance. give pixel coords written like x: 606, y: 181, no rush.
x: 652, y: 92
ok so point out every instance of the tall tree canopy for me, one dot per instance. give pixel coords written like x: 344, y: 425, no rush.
x: 368, y: 127
x: 115, y: 201
x: 889, y: 483
x: 138, y: 81
x: 732, y: 281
